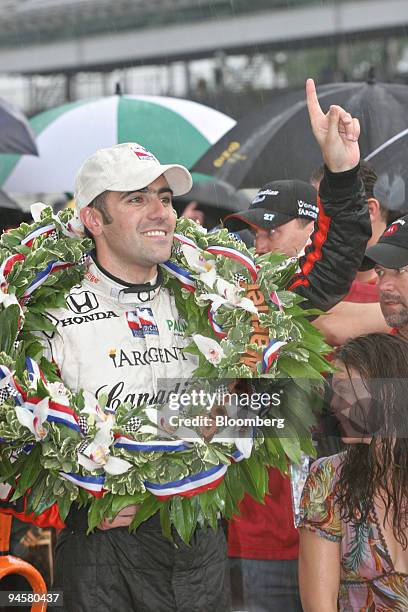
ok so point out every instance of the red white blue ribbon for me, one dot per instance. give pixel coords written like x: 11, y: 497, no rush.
x: 271, y: 353
x: 155, y: 446
x: 190, y: 485
x: 237, y: 456
x: 9, y: 263
x: 34, y: 370
x: 275, y: 300
x: 217, y: 329
x: 57, y: 413
x: 40, y: 231
x: 92, y: 484
x: 238, y: 256
x: 185, y: 240
x: 182, y: 275
x: 41, y: 277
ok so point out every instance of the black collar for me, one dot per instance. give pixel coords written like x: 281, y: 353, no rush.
x: 130, y: 288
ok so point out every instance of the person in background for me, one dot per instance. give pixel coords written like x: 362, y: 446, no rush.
x: 262, y: 540
x: 389, y: 261
x: 345, y: 320
x: 192, y: 212
x: 281, y: 217
x: 354, y: 508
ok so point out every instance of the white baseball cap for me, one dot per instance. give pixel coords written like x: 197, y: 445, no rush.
x: 125, y: 167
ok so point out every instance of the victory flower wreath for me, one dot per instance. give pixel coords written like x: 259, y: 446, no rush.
x: 58, y: 446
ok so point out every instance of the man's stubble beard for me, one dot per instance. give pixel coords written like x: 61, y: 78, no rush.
x: 396, y: 319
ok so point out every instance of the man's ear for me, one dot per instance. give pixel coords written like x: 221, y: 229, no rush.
x: 373, y: 209
x: 92, y: 220
x: 310, y: 228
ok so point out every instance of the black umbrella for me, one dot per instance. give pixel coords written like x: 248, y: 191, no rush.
x: 264, y: 146
x: 12, y: 217
x: 16, y: 135
x: 215, y: 198
x: 390, y: 161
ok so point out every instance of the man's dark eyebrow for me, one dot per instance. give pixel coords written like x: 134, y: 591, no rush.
x: 126, y: 194
x: 165, y: 190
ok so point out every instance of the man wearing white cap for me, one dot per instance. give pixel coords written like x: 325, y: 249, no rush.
x: 118, y: 336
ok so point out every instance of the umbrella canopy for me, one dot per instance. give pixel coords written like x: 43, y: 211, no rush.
x: 175, y: 130
x: 390, y: 161
x: 16, y: 135
x: 12, y: 217
x: 265, y: 146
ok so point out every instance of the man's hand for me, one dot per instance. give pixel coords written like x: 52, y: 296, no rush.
x: 123, y: 518
x: 336, y: 133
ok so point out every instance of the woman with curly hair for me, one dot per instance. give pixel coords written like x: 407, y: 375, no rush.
x: 353, y: 530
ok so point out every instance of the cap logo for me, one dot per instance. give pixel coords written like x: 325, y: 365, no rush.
x: 261, y: 195
x: 394, y: 227
x: 307, y: 210
x: 143, y: 154
x: 268, y: 216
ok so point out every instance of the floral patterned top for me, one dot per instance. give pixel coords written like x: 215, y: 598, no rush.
x: 368, y: 580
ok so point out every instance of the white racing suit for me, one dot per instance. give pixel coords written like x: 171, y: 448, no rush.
x: 119, y: 344
x: 115, y: 340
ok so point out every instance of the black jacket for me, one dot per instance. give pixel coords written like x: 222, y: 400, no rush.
x: 338, y: 244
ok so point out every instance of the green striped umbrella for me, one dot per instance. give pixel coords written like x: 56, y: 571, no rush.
x: 176, y: 131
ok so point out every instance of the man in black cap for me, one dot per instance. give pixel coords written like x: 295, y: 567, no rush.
x: 389, y: 258
x: 281, y: 216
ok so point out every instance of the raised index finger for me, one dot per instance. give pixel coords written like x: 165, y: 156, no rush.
x: 315, y: 111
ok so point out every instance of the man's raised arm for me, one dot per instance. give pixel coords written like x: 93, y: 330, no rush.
x: 343, y: 227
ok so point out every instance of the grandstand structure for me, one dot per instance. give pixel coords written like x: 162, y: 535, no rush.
x: 36, y: 21
x: 52, y: 49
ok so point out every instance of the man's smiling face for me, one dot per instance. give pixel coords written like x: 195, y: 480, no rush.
x: 141, y: 226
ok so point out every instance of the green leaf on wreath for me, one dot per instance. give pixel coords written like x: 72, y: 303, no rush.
x: 165, y: 522
x: 64, y: 505
x: 37, y: 322
x: 98, y: 509
x: 32, y: 469
x: 184, y: 514
x: 36, y: 493
x: 149, y: 507
x: 9, y: 327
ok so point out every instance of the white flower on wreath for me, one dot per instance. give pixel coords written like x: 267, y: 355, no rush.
x: 37, y: 209
x: 8, y: 299
x: 159, y: 426
x: 97, y: 454
x: 165, y: 430
x: 95, y: 411
x: 33, y: 416
x: 243, y: 443
x: 73, y: 229
x: 210, y: 348
x: 206, y: 268
x: 58, y: 392
x: 230, y: 296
